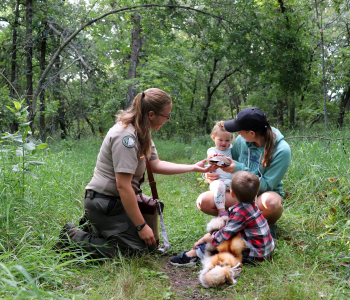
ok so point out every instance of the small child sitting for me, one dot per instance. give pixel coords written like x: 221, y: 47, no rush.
x: 222, y: 140
x: 245, y: 220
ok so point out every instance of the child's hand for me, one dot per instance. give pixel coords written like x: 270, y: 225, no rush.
x: 204, y: 239
x: 214, y: 154
x: 231, y: 167
x: 211, y: 177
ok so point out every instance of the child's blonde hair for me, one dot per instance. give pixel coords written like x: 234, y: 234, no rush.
x: 220, y: 126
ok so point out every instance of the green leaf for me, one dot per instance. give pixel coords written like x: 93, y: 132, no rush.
x: 36, y: 163
x: 24, y: 109
x: 29, y: 146
x: 30, y: 280
x: 18, y: 138
x: 11, y: 109
x: 8, y: 136
x: 24, y: 124
x: 31, y: 174
x: 42, y: 146
x: 17, y: 105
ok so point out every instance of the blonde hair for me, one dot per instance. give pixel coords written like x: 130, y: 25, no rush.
x: 219, y: 126
x: 245, y: 186
x: 152, y: 99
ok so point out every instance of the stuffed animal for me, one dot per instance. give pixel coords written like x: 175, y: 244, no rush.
x: 222, y: 263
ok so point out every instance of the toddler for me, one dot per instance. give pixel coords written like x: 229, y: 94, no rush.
x: 222, y: 140
x: 245, y: 220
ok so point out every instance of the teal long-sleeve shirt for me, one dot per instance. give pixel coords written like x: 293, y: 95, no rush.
x: 248, y: 157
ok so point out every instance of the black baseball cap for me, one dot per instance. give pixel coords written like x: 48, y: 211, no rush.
x: 251, y: 118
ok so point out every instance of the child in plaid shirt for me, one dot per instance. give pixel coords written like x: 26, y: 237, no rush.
x: 245, y: 220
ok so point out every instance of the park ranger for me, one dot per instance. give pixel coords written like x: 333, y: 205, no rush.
x: 115, y: 221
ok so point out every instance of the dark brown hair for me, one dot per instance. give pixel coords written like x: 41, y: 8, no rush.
x: 150, y: 100
x: 245, y: 186
x: 270, y: 142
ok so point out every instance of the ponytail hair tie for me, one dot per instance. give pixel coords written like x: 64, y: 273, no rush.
x: 267, y: 123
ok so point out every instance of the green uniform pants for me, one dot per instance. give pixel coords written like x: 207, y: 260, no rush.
x: 114, y: 231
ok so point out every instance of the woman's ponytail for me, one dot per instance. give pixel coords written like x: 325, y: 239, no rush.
x: 270, y: 139
x: 150, y: 100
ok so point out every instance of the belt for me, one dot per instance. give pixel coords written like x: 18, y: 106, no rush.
x: 112, y: 200
x: 92, y: 194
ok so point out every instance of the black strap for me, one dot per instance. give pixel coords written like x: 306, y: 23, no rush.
x: 111, y: 204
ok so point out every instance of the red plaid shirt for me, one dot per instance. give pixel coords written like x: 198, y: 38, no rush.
x: 246, y: 220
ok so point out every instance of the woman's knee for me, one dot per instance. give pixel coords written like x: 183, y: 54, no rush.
x: 205, y: 201
x: 270, y: 201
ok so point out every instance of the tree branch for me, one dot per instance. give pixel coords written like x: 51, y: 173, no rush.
x: 71, y: 45
x: 74, y: 34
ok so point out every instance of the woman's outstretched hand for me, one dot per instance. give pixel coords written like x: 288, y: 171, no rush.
x: 200, y: 167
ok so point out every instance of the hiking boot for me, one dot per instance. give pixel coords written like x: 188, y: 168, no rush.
x: 67, y: 233
x: 273, y: 231
x: 183, y: 260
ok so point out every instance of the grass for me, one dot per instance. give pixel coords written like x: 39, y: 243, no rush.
x: 311, y: 260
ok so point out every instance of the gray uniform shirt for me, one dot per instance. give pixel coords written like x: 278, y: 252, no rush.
x: 119, y: 153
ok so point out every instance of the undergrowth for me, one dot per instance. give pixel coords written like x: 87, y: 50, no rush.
x: 311, y: 260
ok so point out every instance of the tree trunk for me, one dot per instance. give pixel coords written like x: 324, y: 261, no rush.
x: 231, y: 106
x: 237, y: 102
x: 280, y: 113
x: 136, y: 46
x: 14, y: 52
x: 89, y: 123
x: 209, y: 94
x: 57, y: 93
x: 292, y: 114
x: 42, y: 94
x: 194, y: 91
x: 29, y: 55
x: 342, y: 107
x: 14, y: 125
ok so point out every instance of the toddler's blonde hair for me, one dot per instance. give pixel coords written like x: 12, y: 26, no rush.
x: 219, y: 126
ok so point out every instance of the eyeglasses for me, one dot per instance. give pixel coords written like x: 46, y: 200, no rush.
x: 167, y: 117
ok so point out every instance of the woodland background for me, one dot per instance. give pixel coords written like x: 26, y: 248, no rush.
x: 75, y: 69
x: 66, y: 69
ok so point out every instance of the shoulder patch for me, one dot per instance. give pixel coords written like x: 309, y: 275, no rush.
x: 129, y: 141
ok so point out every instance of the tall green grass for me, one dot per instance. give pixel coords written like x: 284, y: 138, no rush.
x: 311, y: 259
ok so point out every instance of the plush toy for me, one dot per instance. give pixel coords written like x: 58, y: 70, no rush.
x: 222, y: 263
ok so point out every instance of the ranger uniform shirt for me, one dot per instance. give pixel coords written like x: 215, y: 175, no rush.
x: 119, y: 153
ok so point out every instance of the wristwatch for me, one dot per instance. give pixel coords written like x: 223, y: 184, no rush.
x: 139, y: 228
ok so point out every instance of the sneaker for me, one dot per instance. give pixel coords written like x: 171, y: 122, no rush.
x: 183, y: 260
x: 273, y: 230
x: 67, y: 233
